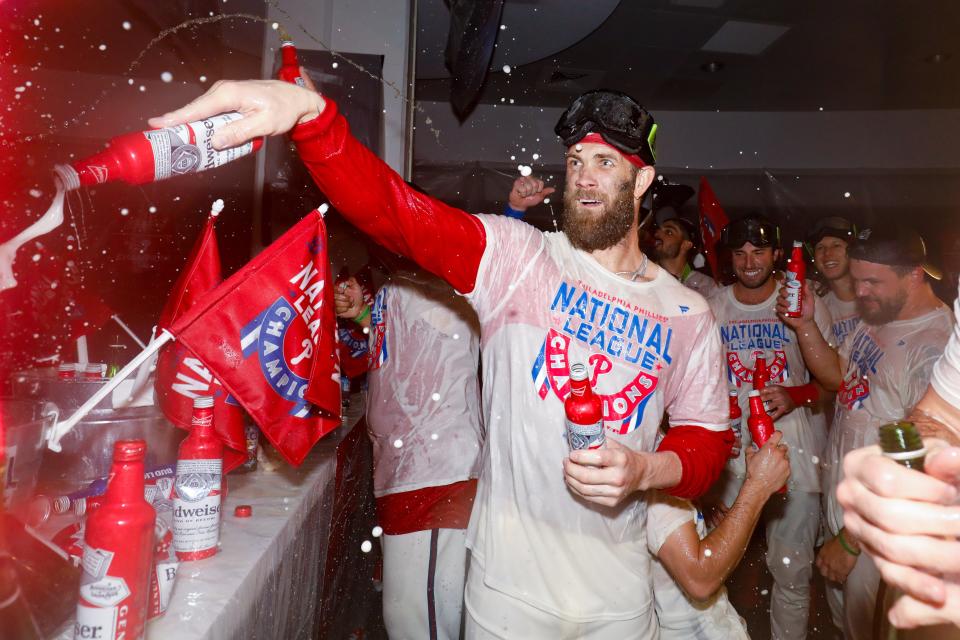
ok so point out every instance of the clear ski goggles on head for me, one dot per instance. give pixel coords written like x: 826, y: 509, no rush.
x: 756, y: 231
x: 617, y: 117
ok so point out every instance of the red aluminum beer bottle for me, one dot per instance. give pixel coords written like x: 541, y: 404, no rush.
x: 760, y: 424
x: 157, y: 154
x: 289, y: 65
x: 796, y: 277
x: 761, y: 374
x: 584, y: 412
x: 736, y: 415
x: 118, y: 553
x: 196, y: 503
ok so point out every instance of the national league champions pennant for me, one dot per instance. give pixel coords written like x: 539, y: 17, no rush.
x: 269, y: 335
x: 182, y: 377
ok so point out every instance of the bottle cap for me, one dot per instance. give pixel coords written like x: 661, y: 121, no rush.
x: 797, y: 243
x: 79, y: 507
x: 94, y: 368
x: 129, y: 450
x: 733, y: 393
x: 203, y: 402
x: 753, y: 394
x: 66, y: 366
x: 578, y: 372
x: 243, y: 511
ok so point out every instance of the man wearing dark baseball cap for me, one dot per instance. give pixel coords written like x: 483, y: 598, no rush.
x: 880, y: 373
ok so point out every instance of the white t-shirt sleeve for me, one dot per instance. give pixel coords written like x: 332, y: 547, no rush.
x: 510, y: 254
x: 696, y: 393
x: 665, y: 514
x: 920, y: 367
x: 946, y: 372
x: 821, y: 315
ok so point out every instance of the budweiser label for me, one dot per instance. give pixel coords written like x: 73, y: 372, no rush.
x: 102, y: 610
x: 188, y: 148
x: 585, y: 436
x: 196, y: 507
x: 737, y: 425
x: 95, y: 623
x: 793, y: 292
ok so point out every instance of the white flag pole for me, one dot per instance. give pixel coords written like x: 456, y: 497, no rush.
x: 129, y: 331
x: 62, y: 428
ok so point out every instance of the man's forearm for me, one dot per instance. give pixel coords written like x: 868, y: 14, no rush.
x: 442, y: 239
x: 821, y: 359
x: 936, y: 418
x: 723, y: 547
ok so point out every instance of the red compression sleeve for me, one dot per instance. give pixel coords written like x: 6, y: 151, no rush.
x: 442, y: 239
x: 804, y: 395
x: 703, y: 454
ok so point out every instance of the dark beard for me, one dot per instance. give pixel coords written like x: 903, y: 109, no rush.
x: 665, y: 254
x: 593, y: 234
x: 888, y: 311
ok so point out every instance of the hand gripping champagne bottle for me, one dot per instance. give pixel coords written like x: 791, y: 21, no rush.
x: 118, y: 553
x: 157, y: 154
x: 901, y: 442
x: 584, y: 412
x: 796, y: 277
x: 289, y: 65
x: 760, y: 424
x: 196, y: 505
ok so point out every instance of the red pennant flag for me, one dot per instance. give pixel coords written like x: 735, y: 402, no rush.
x: 268, y: 333
x: 180, y: 376
x: 712, y: 221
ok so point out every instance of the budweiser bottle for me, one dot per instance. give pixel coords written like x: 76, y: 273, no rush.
x: 795, y: 278
x: 760, y: 424
x: 736, y: 416
x: 118, y: 553
x: 158, y: 154
x: 761, y: 374
x: 196, y: 505
x: 289, y: 65
x: 584, y: 412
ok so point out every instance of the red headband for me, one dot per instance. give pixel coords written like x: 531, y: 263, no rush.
x: 633, y: 159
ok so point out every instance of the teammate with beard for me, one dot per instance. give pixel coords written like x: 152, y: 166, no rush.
x: 831, y: 239
x: 749, y: 327
x: 673, y: 241
x: 550, y: 558
x: 880, y: 373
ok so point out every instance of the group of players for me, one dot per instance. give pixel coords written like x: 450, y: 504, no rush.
x: 493, y: 528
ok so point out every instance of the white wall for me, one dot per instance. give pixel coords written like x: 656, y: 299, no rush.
x: 927, y: 139
x: 355, y: 26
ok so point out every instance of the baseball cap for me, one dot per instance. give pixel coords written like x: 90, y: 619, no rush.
x: 619, y: 119
x: 754, y: 229
x: 893, y: 245
x: 833, y: 226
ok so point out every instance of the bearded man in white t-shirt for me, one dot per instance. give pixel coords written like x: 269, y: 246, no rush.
x: 880, y: 373
x: 554, y: 553
x: 750, y: 328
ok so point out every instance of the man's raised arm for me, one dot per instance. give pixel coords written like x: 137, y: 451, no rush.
x: 442, y: 239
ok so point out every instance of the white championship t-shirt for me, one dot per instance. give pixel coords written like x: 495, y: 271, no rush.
x: 701, y: 283
x: 844, y: 315
x: 650, y: 347
x: 423, y: 403
x: 946, y: 373
x: 679, y: 617
x: 747, y: 331
x: 887, y: 370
